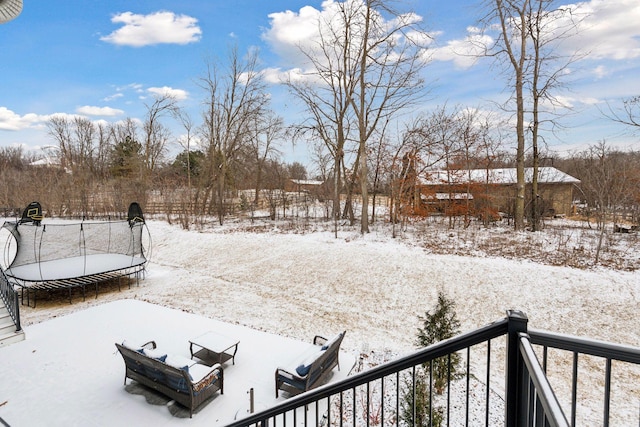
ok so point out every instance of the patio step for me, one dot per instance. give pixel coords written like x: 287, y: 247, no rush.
x: 8, y: 334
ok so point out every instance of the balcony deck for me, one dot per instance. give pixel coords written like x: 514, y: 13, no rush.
x: 67, y: 371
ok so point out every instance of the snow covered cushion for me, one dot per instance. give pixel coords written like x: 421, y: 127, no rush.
x: 305, y: 366
x: 331, y: 342
x: 155, y: 354
x: 131, y: 346
x: 199, y: 371
x: 179, y: 362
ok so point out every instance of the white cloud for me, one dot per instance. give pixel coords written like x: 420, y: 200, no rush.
x: 99, y: 111
x: 113, y: 97
x: 177, y: 94
x: 289, y: 30
x: 597, y: 29
x: 137, y: 87
x: 292, y: 34
x: 600, y: 71
x: 464, y: 52
x: 155, y: 28
x: 609, y: 29
x: 590, y: 101
x: 194, y: 142
x: 274, y: 75
x: 12, y: 121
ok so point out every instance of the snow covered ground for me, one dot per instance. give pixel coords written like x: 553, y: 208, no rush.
x: 375, y: 287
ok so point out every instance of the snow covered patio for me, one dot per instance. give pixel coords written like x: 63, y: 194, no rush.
x: 68, y: 371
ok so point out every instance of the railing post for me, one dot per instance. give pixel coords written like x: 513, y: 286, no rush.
x: 16, y: 304
x: 515, y: 390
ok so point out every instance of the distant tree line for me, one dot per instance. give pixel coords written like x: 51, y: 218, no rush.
x: 364, y: 72
x: 101, y: 172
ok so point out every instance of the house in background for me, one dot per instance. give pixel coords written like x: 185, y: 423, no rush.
x: 495, y: 189
x: 302, y: 185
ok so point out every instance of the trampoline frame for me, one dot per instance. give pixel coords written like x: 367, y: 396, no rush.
x: 31, y: 288
x: 76, y: 272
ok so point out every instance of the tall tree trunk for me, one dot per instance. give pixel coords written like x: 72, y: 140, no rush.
x: 336, y: 193
x: 520, y: 179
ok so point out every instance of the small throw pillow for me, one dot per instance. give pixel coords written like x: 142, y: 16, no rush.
x: 330, y: 342
x: 303, y: 370
x: 155, y: 354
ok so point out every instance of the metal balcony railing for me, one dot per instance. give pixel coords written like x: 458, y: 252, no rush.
x: 500, y: 382
x: 9, y: 296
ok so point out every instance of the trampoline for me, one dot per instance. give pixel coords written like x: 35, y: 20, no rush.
x: 68, y: 255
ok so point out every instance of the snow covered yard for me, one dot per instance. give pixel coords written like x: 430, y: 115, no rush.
x: 375, y: 287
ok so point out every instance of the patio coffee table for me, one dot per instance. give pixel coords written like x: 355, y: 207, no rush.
x: 214, y: 348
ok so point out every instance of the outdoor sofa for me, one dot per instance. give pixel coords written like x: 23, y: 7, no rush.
x: 187, y: 382
x: 310, y: 368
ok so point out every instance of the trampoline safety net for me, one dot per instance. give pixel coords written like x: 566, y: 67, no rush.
x: 49, y: 242
x: 72, y: 253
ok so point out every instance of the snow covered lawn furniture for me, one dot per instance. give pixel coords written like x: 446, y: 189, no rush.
x: 312, y: 367
x: 180, y: 378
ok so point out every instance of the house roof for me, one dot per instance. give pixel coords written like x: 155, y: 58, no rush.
x: 546, y: 175
x: 306, y: 182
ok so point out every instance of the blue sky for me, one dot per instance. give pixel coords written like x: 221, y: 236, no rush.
x: 105, y: 59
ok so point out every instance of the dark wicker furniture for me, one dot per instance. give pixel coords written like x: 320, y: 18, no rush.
x: 310, y: 368
x: 176, y: 383
x: 214, y: 348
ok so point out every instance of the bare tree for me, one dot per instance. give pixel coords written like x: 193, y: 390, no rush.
x: 489, y: 157
x: 388, y: 80
x: 155, y: 134
x: 77, y: 140
x: 628, y: 114
x: 235, y: 98
x: 185, y: 142
x: 326, y: 89
x: 12, y: 166
x: 512, y: 45
x: 609, y: 180
x: 61, y: 131
x: 365, y: 70
x: 267, y: 130
x: 420, y: 149
x: 547, y: 28
x: 379, y: 169
x: 530, y: 31
x: 101, y: 151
